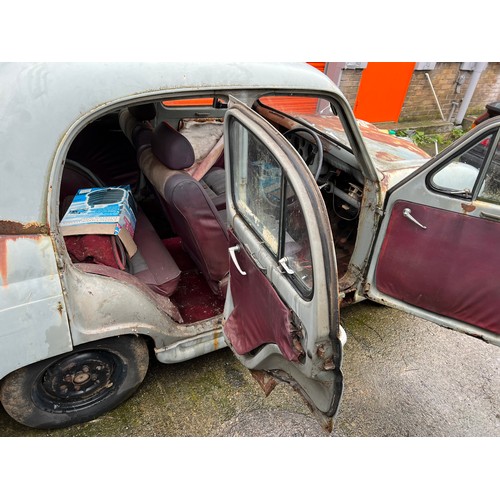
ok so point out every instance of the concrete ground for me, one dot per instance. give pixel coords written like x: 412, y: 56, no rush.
x: 403, y: 377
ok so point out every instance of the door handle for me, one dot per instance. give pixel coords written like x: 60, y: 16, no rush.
x: 232, y: 253
x: 285, y: 266
x: 488, y: 216
x: 407, y: 214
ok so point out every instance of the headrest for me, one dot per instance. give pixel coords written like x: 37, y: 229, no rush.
x: 171, y: 147
x: 143, y: 112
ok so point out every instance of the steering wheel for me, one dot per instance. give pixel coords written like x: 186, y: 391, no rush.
x: 312, y: 155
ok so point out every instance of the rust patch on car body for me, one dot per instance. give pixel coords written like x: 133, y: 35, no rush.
x: 468, y: 208
x: 11, y: 230
x: 4, y: 240
x: 3, y: 261
x: 12, y: 227
x: 267, y: 382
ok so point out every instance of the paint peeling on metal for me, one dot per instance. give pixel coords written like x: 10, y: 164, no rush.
x: 12, y: 227
x: 467, y: 208
x: 4, y: 253
x: 266, y: 381
x: 163, y: 303
x: 3, y: 261
x: 388, y: 152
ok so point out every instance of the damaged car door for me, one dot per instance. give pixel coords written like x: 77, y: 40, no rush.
x: 281, y: 317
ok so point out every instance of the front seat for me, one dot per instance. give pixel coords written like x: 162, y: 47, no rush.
x: 191, y: 213
x: 205, y: 136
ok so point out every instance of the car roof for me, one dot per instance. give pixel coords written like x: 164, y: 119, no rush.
x: 43, y: 104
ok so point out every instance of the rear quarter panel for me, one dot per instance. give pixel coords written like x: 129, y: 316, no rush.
x: 33, y: 318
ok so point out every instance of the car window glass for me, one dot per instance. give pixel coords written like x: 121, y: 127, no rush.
x: 257, y: 186
x: 313, y: 112
x: 459, y: 175
x: 297, y: 247
x: 298, y: 105
x: 269, y: 205
x: 490, y: 188
x: 195, y: 102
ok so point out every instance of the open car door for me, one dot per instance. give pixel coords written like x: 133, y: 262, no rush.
x: 281, y: 317
x: 437, y: 254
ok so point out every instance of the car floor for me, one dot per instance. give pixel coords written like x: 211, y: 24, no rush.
x: 193, y: 296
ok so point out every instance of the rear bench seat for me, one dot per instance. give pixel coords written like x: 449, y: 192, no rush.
x: 152, y: 263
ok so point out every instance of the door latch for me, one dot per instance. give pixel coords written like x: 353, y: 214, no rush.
x: 407, y: 214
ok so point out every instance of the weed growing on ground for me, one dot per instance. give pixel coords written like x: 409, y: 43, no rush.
x: 423, y: 139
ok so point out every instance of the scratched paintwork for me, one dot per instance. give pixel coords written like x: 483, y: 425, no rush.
x: 43, y: 107
x: 32, y: 308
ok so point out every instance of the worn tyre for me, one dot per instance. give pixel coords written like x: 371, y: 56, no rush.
x: 78, y: 386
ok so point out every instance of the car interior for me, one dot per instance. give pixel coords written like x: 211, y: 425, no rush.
x: 171, y: 154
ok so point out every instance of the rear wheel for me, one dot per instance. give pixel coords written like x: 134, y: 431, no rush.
x: 78, y: 386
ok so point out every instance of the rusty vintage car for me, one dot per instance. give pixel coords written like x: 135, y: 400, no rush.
x: 261, y: 207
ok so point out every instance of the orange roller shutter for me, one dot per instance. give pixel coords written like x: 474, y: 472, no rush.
x: 297, y: 104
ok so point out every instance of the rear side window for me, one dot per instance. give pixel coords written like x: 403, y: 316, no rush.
x: 209, y: 102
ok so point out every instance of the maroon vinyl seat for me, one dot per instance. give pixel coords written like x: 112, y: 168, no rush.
x: 152, y: 263
x: 187, y: 205
x: 207, y: 153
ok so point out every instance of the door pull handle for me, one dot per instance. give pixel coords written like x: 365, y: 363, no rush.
x: 232, y: 253
x: 407, y: 214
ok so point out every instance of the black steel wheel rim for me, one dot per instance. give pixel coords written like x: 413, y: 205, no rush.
x: 78, y: 381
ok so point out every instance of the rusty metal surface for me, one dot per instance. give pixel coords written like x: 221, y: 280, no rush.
x: 32, y: 306
x: 387, y: 151
x: 163, y: 303
x: 12, y: 227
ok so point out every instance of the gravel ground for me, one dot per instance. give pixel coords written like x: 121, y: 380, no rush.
x: 403, y: 377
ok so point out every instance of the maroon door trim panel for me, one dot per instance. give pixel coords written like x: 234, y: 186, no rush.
x: 451, y: 268
x: 259, y: 316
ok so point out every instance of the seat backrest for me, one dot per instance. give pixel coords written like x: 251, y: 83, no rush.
x: 206, y: 136
x: 188, y: 207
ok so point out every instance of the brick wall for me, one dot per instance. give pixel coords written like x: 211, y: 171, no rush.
x: 420, y: 105
x: 487, y: 90
x: 349, y: 84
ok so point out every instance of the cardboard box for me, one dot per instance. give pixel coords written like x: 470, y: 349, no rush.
x: 109, y: 210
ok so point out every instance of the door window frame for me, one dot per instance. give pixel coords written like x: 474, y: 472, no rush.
x: 305, y: 292
x: 486, y: 162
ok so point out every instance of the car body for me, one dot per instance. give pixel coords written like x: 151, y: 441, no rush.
x: 492, y: 109
x: 262, y: 206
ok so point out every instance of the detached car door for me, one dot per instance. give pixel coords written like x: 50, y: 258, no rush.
x: 281, y: 317
x: 437, y: 253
